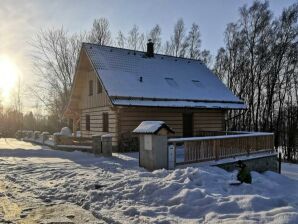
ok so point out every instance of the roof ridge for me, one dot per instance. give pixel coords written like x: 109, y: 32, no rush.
x: 162, y: 55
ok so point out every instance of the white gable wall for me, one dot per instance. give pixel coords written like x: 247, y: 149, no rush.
x: 94, y: 105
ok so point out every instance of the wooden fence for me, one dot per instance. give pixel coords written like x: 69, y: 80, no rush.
x: 203, y: 133
x: 84, y: 141
x: 197, y: 149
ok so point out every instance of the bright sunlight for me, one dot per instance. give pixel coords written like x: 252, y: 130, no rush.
x: 8, y: 76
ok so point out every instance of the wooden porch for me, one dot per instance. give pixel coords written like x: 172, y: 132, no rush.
x: 212, y: 145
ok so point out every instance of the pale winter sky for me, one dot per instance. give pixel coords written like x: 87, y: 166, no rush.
x: 21, y: 19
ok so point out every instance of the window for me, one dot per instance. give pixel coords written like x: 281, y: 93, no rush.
x: 90, y: 87
x: 99, y: 88
x: 87, y: 122
x: 171, y: 82
x: 105, y: 122
x: 197, y: 83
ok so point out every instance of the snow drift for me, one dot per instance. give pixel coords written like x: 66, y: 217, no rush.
x: 117, y: 190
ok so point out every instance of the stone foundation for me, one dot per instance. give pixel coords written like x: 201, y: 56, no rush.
x: 259, y: 164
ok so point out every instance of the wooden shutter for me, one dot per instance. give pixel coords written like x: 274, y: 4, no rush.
x: 105, y: 122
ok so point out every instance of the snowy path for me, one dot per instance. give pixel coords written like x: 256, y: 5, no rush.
x: 19, y: 203
x: 116, y: 190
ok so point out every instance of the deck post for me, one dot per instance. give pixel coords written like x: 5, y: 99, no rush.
x: 215, y: 151
x: 279, y: 162
x: 171, y: 157
x: 175, y: 154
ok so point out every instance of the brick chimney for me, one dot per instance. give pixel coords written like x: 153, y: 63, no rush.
x: 150, y: 49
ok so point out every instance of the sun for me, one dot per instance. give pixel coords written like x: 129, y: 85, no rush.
x: 9, y: 74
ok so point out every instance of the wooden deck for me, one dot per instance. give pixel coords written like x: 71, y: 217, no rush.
x: 222, y: 145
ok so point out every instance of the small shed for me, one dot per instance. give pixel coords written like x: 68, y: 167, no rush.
x: 153, y: 144
x: 153, y: 127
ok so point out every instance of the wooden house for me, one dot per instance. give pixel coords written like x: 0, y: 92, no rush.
x: 115, y: 89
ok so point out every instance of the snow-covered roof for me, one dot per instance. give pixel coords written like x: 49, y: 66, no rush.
x: 151, y: 127
x: 173, y: 103
x: 129, y: 74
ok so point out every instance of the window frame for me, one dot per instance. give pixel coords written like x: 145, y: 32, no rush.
x: 90, y: 87
x: 197, y: 83
x: 87, y: 123
x: 171, y: 82
x: 105, y: 122
x: 99, y: 87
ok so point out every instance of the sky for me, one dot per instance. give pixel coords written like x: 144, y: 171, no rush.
x: 21, y: 19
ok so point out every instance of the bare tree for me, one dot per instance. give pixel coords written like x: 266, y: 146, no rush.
x: 155, y: 36
x: 206, y: 57
x: 17, y: 96
x: 178, y: 42
x: 135, y: 39
x: 120, y: 40
x: 100, y: 32
x: 142, y: 42
x: 259, y: 64
x: 168, y: 48
x: 54, y: 56
x: 18, y: 103
x: 194, y: 42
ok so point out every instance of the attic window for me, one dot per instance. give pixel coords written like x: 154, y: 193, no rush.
x: 197, y: 83
x: 99, y: 87
x: 90, y: 87
x: 171, y: 82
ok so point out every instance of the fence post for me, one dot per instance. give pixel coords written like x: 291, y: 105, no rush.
x: 249, y: 145
x: 279, y: 162
x: 106, y: 144
x: 171, y: 157
x: 175, y: 154
x: 215, y: 151
x: 96, y: 144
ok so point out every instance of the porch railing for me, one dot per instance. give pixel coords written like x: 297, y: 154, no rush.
x: 197, y: 149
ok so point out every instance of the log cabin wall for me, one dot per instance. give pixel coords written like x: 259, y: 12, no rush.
x: 209, y: 120
x: 203, y: 119
x: 95, y: 106
x: 96, y: 122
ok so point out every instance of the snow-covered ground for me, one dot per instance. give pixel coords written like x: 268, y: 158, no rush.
x: 116, y: 190
x: 290, y: 170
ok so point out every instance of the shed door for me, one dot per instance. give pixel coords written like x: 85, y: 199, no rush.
x: 187, y: 125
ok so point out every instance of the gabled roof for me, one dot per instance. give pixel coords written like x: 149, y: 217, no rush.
x: 151, y: 127
x: 132, y: 79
